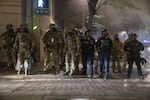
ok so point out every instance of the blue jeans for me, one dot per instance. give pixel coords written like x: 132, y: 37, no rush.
x: 103, y: 60
x: 90, y: 65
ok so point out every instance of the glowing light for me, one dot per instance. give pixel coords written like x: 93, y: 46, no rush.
x: 35, y: 27
x: 123, y: 33
x: 148, y: 48
x: 146, y: 41
x: 40, y: 3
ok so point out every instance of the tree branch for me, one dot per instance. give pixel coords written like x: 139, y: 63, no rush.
x: 100, y: 4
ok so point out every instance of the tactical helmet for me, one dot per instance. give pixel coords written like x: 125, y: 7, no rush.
x: 116, y: 36
x: 18, y: 30
x: 135, y: 35
x: 131, y: 34
x: 87, y: 32
x: 9, y: 26
x: 52, y: 26
x: 24, y: 27
x: 104, y: 32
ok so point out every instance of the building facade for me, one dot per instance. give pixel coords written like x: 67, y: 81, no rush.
x: 17, y: 12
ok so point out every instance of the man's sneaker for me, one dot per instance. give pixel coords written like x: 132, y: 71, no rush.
x: 89, y: 76
x: 105, y: 78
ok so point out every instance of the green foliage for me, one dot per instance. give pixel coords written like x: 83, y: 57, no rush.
x: 98, y: 25
x: 96, y: 21
x: 95, y: 5
x: 98, y: 16
x: 120, y: 3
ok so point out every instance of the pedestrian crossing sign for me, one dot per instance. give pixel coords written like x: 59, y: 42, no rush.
x: 42, y: 7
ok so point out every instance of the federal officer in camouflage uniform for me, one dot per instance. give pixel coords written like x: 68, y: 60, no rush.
x: 125, y: 53
x: 8, y: 39
x: 52, y: 41
x: 61, y: 49
x: 24, y: 43
x: 71, y: 48
x: 79, y: 63
x: 18, y: 30
x: 117, y: 53
x: 87, y: 50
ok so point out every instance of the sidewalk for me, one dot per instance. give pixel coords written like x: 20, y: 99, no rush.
x: 40, y: 86
x: 52, y: 87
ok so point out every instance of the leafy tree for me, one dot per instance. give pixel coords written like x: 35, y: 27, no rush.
x: 95, y: 5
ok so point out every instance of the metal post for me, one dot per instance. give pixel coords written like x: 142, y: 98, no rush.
x: 29, y: 18
x: 23, y: 10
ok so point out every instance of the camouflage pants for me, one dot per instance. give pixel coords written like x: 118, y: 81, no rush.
x: 70, y: 61
x: 10, y: 57
x: 61, y: 58
x: 116, y: 62
x: 23, y: 59
x: 125, y: 63
x: 51, y: 59
x: 78, y: 63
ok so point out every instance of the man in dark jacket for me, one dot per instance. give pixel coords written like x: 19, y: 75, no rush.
x: 104, y: 46
x: 87, y: 49
x: 133, y: 48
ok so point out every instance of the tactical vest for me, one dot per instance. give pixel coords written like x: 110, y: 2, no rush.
x: 24, y: 40
x: 8, y: 38
x: 71, y: 42
x: 87, y: 43
x: 51, y: 39
x: 117, y: 47
x: 84, y: 43
x: 134, y: 47
x: 104, y: 45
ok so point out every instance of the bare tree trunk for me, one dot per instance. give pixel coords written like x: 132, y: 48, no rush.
x: 92, y: 11
x: 90, y: 20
